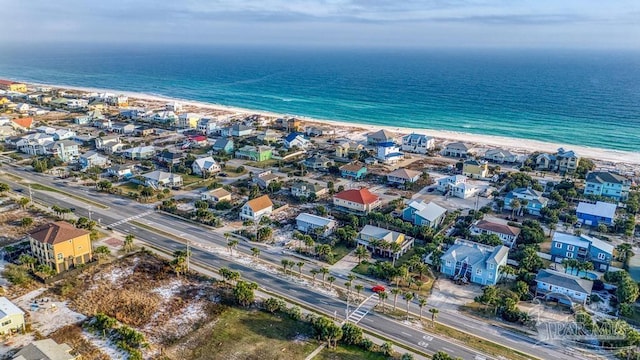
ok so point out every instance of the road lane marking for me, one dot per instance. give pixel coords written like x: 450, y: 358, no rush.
x: 404, y: 333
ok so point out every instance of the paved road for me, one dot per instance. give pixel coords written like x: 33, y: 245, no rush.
x: 207, y: 243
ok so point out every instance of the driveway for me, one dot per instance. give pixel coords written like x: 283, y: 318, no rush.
x: 449, y: 296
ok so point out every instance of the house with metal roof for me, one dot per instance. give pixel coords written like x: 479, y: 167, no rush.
x: 306, y: 189
x: 564, y: 288
x: 296, y: 139
x: 469, y: 261
x: 535, y: 200
x: 308, y: 223
x: 456, y: 149
x: 223, y: 145
x: 376, y: 239
x: 381, y: 136
x: 11, y: 317
x: 475, y: 169
x: 158, y: 178
x: 417, y: 143
x: 596, y: 214
x: 508, y: 234
x: 424, y: 214
x: 46, y: 349
x: 456, y: 186
x: 607, y: 184
x: 500, y: 156
x: 389, y: 153
x: 582, y: 247
x: 353, y: 170
x: 205, y: 166
x: 563, y: 161
x: 402, y: 176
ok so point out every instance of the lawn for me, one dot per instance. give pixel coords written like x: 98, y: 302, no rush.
x: 348, y: 352
x: 340, y: 251
x: 231, y: 171
x: 263, y: 164
x: 362, y: 269
x: 244, y: 334
x: 37, y: 186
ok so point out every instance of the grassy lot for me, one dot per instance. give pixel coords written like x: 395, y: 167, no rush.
x: 242, y: 334
x: 362, y: 269
x: 128, y: 187
x: 263, y: 164
x: 340, y: 251
x: 231, y: 171
x: 50, y: 189
x: 347, y: 352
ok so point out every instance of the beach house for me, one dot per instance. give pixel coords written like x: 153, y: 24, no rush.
x: 353, y: 171
x: 140, y: 152
x: 91, y: 159
x: 11, y: 317
x: 468, y: 261
x: 296, y: 139
x: 417, y: 143
x: 581, y: 247
x: 360, y: 201
x: 265, y: 178
x: 170, y: 158
x: 256, y: 208
x: 216, y: 195
x: 403, y: 176
x: 224, y: 145
x: 307, y: 190
x: 65, y: 150
x: 318, y: 162
x: 188, y: 120
x: 60, y: 245
x: 381, y: 136
x: 456, y: 186
x: 308, y: 223
x: 120, y: 171
x: 596, y: 214
x: 205, y: 166
x: 564, y: 288
x: 389, y: 153
x: 13, y: 86
x: 378, y: 241
x: 564, y: 161
x: 533, y: 204
x: 157, y: 179
x: 255, y: 153
x: 46, y: 349
x: 508, y: 234
x: 109, y: 144
x: 607, y: 184
x: 424, y: 214
x: 238, y: 130
x: 456, y: 150
x: 500, y: 156
x: 475, y: 169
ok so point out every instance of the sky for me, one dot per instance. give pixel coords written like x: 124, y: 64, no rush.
x: 599, y: 24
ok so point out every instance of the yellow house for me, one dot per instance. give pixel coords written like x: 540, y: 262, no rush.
x: 11, y: 317
x: 60, y: 245
x: 475, y: 169
x: 4, y: 101
x: 13, y: 86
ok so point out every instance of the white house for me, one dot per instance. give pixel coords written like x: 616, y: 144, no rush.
x: 508, y: 234
x: 307, y: 223
x: 402, y: 176
x: 417, y: 143
x: 356, y: 200
x: 205, y: 165
x: 158, y: 178
x: 389, y: 153
x: 456, y: 186
x: 216, y: 195
x: 296, y: 139
x: 140, y: 152
x: 256, y: 208
x: 11, y: 317
x: 120, y: 171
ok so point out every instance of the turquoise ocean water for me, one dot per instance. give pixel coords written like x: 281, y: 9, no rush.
x: 589, y: 98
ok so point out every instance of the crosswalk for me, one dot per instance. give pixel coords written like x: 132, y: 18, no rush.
x: 120, y: 222
x: 363, y: 309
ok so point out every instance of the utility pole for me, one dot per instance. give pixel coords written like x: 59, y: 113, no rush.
x: 30, y: 194
x: 188, y: 255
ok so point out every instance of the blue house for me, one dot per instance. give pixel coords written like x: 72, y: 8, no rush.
x: 424, y: 214
x: 223, y: 145
x: 535, y: 200
x: 583, y: 247
x: 607, y: 184
x: 354, y: 171
x: 596, y: 214
x: 562, y: 287
x: 470, y: 261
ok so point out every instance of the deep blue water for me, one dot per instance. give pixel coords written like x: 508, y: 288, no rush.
x: 589, y: 98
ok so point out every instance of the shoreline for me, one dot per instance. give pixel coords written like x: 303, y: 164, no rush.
x: 606, y: 157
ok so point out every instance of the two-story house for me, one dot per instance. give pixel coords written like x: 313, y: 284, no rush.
x: 424, y: 214
x: 508, y: 234
x: 596, y: 214
x: 475, y: 169
x: 91, y: 159
x: 120, y: 171
x: 564, y: 288
x: 255, y: 153
x: 456, y: 186
x: 265, y: 178
x: 456, y: 149
x: 360, y: 201
x: 318, y: 162
x: 297, y: 140
x: 417, y: 143
x: 534, y: 200
x: 389, y: 153
x: 109, y: 144
x: 170, y: 158
x: 381, y: 136
x: 403, y: 176
x: 607, y: 184
x: 354, y: 171
x: 500, y: 156
x: 140, y: 152
x: 157, y: 179
x: 377, y: 239
x: 256, y: 208
x: 65, y: 150
x: 468, y: 261
x: 224, y: 145
x: 583, y: 247
x: 563, y: 161
x: 60, y: 245
x: 11, y: 317
x: 205, y: 166
x: 306, y: 190
x: 308, y: 223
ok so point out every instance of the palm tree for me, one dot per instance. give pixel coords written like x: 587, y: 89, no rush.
x: 128, y: 242
x: 408, y: 296
x: 285, y: 265
x: 300, y: 264
x: 314, y: 273
x: 395, y: 293
x: 515, y: 204
x: 434, y: 314
x: 395, y: 248
x: 359, y: 288
x: 523, y: 206
x: 624, y: 252
x: 421, y: 304
x: 255, y: 252
x: 361, y: 253
x: 331, y: 279
x: 383, y: 296
x: 324, y: 271
x: 348, y: 286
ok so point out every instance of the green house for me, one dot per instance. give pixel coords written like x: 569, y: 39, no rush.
x: 255, y: 153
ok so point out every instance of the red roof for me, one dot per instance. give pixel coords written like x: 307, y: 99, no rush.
x: 198, y: 138
x: 360, y: 196
x: 7, y: 82
x: 23, y: 122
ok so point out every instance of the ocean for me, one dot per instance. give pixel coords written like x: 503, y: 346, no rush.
x: 587, y: 98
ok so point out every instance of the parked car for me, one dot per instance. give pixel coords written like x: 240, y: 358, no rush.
x: 378, y: 289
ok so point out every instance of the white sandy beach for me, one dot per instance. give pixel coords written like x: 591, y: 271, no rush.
x: 605, y: 156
